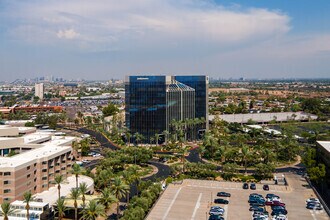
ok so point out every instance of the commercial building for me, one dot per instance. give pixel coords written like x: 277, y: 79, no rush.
x: 30, y: 162
x: 39, y: 90
x: 153, y: 102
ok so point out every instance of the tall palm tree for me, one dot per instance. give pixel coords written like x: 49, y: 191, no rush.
x: 119, y: 189
x: 27, y: 198
x: 6, y: 210
x: 128, y: 180
x: 135, y: 177
x: 157, y: 137
x: 61, y: 208
x: 76, y: 170
x: 75, y: 147
x: 83, y: 190
x: 138, y: 137
x: 75, y: 193
x: 107, y: 198
x: 59, y: 179
x: 93, y: 210
x: 245, y: 153
x: 166, y: 133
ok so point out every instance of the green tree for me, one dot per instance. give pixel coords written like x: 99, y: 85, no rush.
x: 264, y: 170
x: 93, y: 210
x: 83, y: 190
x: 119, y: 189
x: 76, y: 170
x: 318, y: 173
x: 110, y: 110
x: 75, y: 193
x: 6, y: 210
x: 59, y: 179
x: 60, y: 208
x: 27, y: 198
x: 107, y: 198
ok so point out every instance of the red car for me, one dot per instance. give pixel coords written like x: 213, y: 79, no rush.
x: 275, y: 203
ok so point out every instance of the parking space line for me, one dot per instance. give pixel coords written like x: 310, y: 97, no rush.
x: 171, y: 204
x: 197, y: 206
x: 313, y: 215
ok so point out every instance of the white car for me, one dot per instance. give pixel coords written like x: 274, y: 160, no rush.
x: 280, y: 217
x: 274, y: 199
x: 312, y: 200
x: 216, y: 210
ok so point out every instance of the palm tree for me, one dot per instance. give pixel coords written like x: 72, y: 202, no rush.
x: 75, y: 147
x: 75, y: 193
x: 76, y: 170
x: 128, y: 180
x: 157, y: 137
x: 59, y: 179
x: 107, y: 198
x: 138, y: 137
x: 61, y: 208
x: 119, y: 189
x: 6, y: 210
x: 245, y: 153
x: 93, y: 210
x: 135, y: 177
x: 166, y: 133
x: 27, y: 198
x: 83, y: 190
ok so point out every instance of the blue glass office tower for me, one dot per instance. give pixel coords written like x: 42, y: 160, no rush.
x: 152, y: 102
x: 201, y: 86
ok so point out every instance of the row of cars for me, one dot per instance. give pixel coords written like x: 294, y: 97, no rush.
x: 253, y: 186
x: 257, y: 206
x: 217, y: 212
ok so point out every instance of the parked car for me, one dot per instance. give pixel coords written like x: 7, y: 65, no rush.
x: 265, y: 187
x: 245, y: 186
x: 315, y: 206
x: 216, y: 210
x: 216, y: 217
x: 221, y: 201
x: 254, y: 200
x: 224, y: 194
x: 274, y: 199
x: 275, y: 203
x: 255, y: 195
x: 280, y: 217
x: 279, y: 212
x: 256, y: 208
x: 260, y: 218
x: 278, y: 208
x: 312, y: 200
x: 253, y: 186
x: 271, y: 195
x: 258, y: 213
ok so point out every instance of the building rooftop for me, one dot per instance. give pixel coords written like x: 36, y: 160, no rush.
x: 265, y: 117
x: 50, y: 196
x: 325, y: 145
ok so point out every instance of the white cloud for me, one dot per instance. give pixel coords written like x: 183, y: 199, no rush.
x: 67, y: 34
x: 149, y: 23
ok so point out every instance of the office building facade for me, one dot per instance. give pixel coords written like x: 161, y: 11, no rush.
x: 153, y: 102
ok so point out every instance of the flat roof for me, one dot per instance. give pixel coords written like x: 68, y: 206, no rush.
x: 51, y: 195
x: 265, y: 117
x: 32, y: 203
x: 325, y: 145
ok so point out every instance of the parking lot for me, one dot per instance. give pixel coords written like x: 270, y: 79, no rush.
x: 193, y: 198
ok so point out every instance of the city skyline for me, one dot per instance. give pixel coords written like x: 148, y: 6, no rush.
x: 109, y: 39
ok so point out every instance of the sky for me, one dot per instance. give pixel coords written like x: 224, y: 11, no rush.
x: 105, y: 39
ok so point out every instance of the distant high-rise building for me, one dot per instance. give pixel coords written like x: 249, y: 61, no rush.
x: 39, y: 90
x: 153, y: 102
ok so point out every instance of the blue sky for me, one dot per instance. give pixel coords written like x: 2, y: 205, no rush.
x: 106, y: 39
